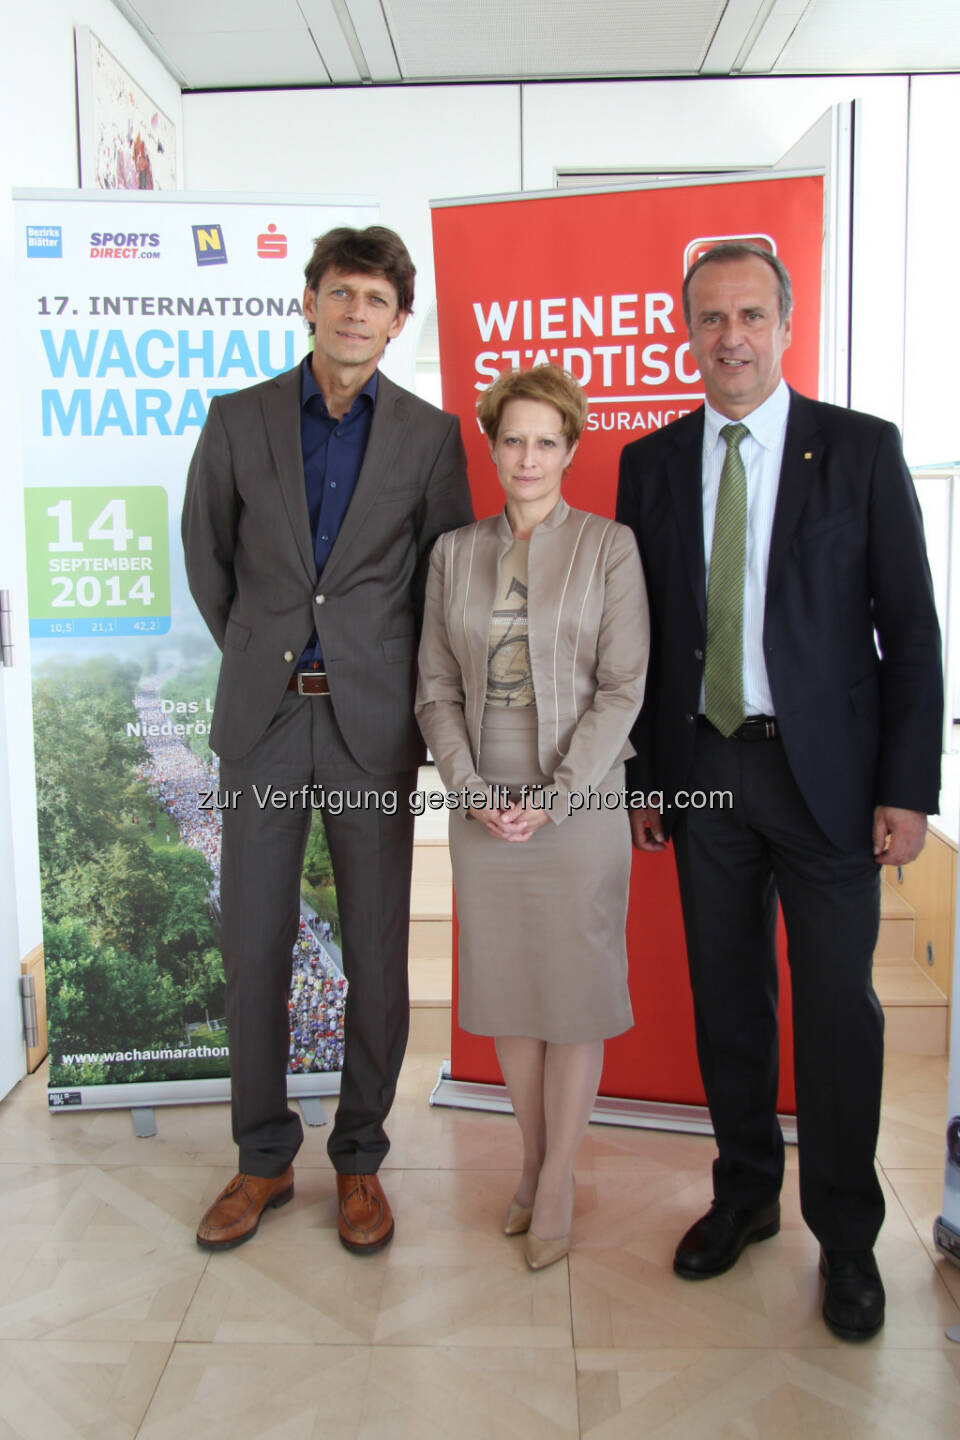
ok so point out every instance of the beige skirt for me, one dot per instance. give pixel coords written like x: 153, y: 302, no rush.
x: 542, y: 949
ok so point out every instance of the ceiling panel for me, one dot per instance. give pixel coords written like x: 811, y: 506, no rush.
x: 331, y: 41
x: 375, y: 39
x: 864, y: 36
x: 435, y: 39
x: 209, y: 17
x: 233, y: 43
x: 774, y: 34
x: 739, y: 16
x: 266, y: 57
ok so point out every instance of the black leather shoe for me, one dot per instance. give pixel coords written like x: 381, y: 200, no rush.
x: 853, y: 1299
x: 715, y: 1243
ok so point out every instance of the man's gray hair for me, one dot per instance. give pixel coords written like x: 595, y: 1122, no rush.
x: 731, y: 250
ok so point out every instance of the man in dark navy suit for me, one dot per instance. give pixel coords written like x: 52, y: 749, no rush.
x: 795, y: 663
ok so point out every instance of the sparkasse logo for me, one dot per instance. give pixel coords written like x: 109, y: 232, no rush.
x: 44, y: 242
x: 124, y: 245
x: 209, y: 244
x: 271, y: 245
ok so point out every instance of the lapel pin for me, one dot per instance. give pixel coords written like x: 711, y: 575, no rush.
x: 808, y: 454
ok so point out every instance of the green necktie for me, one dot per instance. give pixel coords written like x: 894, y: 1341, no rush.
x: 723, y: 669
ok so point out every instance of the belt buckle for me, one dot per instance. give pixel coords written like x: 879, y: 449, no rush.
x: 308, y: 675
x: 759, y: 727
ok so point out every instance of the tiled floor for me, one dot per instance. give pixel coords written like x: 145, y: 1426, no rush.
x: 113, y: 1324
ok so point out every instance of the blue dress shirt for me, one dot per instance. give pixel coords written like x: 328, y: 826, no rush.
x: 333, y: 452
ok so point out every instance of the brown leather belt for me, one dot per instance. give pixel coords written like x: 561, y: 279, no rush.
x: 309, y: 682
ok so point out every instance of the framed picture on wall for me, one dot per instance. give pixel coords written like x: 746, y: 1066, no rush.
x: 126, y: 141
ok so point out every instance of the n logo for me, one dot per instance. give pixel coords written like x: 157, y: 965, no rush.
x: 209, y: 244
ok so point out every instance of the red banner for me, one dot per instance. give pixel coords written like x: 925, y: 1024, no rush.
x: 593, y: 283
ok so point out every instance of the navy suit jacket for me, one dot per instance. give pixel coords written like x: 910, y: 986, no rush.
x: 850, y: 634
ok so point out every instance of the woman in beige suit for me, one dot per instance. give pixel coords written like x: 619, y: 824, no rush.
x: 532, y: 668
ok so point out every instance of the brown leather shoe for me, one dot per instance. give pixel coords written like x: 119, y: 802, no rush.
x: 235, y: 1214
x: 364, y: 1220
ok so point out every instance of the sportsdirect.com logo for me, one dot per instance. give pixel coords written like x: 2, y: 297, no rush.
x: 209, y: 244
x: 104, y: 245
x: 44, y: 242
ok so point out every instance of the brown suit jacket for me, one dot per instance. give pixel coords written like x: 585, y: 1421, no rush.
x: 250, y: 564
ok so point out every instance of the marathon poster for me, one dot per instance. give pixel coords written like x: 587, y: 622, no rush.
x: 134, y: 314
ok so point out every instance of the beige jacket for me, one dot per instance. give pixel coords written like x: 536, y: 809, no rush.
x: 589, y: 635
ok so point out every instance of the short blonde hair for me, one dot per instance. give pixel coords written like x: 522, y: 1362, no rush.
x: 546, y: 383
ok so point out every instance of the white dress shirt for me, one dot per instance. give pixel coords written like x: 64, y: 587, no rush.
x: 762, y: 455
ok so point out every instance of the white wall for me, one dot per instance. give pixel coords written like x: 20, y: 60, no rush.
x: 403, y: 146
x: 674, y: 124
x: 38, y: 117
x: 408, y: 146
x: 932, y: 412
x: 749, y: 124
x: 931, y: 408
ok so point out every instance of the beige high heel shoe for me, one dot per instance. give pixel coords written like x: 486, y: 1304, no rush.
x: 518, y: 1219
x: 541, y: 1253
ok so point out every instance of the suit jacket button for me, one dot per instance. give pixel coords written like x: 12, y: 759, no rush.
x: 698, y: 654
x: 689, y: 719
x: 320, y: 599
x: 288, y: 655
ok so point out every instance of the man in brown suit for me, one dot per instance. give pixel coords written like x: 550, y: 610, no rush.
x: 312, y: 504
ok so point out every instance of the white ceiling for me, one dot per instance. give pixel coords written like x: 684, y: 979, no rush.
x: 217, y: 44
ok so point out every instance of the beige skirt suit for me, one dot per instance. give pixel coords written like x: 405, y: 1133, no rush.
x: 542, y: 950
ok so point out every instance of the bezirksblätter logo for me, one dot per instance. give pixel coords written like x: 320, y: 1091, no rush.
x: 44, y: 242
x: 209, y: 244
x: 126, y: 245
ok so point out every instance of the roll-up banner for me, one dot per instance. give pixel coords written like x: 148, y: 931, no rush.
x: 946, y: 1230
x: 592, y: 281
x: 134, y: 313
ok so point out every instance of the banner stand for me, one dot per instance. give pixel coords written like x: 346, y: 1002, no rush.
x: 592, y: 280
x: 609, y: 1109
x: 146, y: 1094
x: 135, y: 311
x: 946, y: 1227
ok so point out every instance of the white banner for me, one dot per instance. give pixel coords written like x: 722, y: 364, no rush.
x: 134, y: 313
